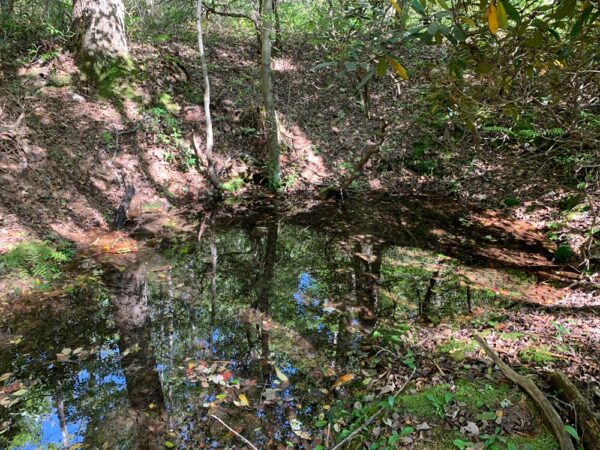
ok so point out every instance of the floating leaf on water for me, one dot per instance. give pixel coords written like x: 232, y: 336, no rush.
x: 296, y: 426
x: 280, y: 374
x: 270, y: 395
x: 243, y: 400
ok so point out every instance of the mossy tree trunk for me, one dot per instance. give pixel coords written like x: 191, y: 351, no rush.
x: 99, y: 27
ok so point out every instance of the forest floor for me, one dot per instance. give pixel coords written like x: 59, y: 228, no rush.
x: 62, y: 167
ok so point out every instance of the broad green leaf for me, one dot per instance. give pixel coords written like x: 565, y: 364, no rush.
x: 502, y: 17
x: 536, y: 40
x: 511, y: 11
x: 396, y: 7
x: 459, y: 33
x: 468, y: 21
x: 391, y: 401
x: 366, y: 78
x: 406, y: 431
x: 492, y: 17
x: 324, y: 65
x: 381, y: 70
x: 280, y: 374
x: 572, y: 431
x: 566, y: 7
x: 577, y: 27
x: 433, y: 28
x: 398, y: 68
x: 488, y: 415
x: 416, y: 4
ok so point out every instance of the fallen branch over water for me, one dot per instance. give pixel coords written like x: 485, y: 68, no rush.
x: 548, y: 411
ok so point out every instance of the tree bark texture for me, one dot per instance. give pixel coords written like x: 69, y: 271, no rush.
x: 99, y: 27
x: 267, y: 93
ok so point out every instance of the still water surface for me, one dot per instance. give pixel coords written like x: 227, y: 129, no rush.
x: 252, y: 323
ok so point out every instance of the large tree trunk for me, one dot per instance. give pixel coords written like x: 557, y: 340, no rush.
x: 99, y: 27
x: 267, y: 93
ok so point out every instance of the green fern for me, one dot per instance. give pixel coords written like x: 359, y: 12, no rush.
x: 36, y: 258
x: 528, y: 133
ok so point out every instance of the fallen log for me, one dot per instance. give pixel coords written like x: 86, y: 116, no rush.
x: 548, y: 411
x: 588, y: 423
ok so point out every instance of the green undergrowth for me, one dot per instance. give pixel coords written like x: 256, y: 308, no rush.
x: 537, y: 355
x: 484, y: 403
x: 40, y: 262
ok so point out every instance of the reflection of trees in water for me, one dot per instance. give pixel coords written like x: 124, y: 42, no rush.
x: 145, y: 417
x: 64, y: 350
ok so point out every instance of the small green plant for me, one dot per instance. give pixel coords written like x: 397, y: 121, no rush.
x: 564, y: 253
x: 561, y: 330
x: 233, y: 185
x: 538, y: 355
x: 440, y: 403
x: 39, y: 259
x: 512, y: 201
x: 249, y: 131
x: 168, y: 132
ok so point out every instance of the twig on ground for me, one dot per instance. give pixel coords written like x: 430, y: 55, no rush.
x: 234, y: 432
x: 374, y: 416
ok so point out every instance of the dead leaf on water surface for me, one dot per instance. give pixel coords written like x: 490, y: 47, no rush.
x: 280, y: 374
x: 243, y: 401
x: 296, y: 426
x: 270, y: 395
